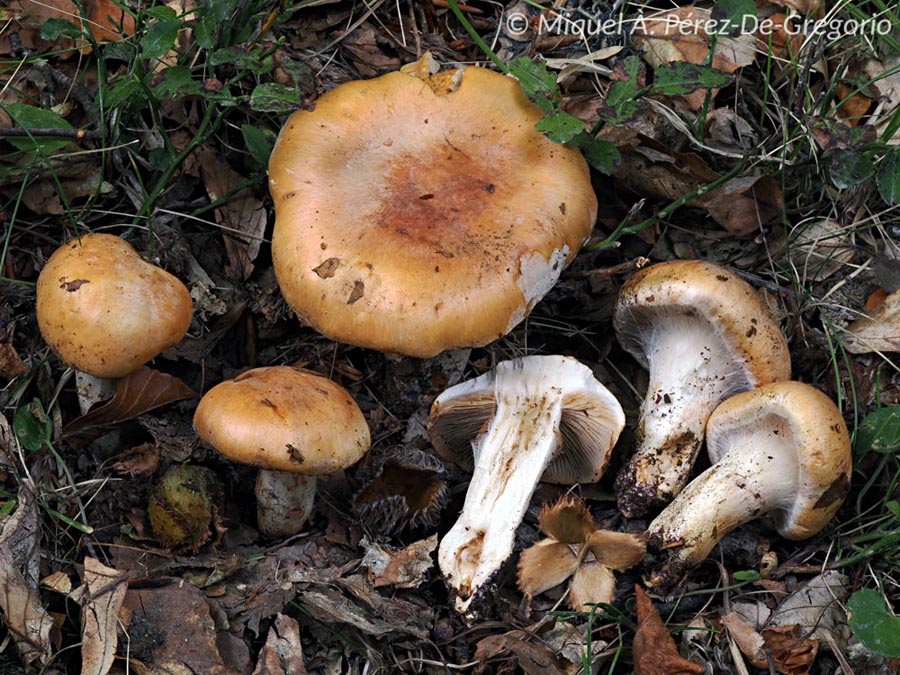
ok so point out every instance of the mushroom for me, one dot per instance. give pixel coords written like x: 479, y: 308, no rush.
x: 705, y: 335
x: 292, y: 424
x: 106, y: 311
x: 420, y: 211
x: 781, y: 452
x: 530, y: 418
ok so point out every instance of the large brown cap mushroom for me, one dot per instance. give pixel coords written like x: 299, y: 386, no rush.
x: 417, y: 212
x: 106, y: 311
x: 780, y: 452
x: 533, y: 418
x: 285, y: 421
x: 705, y: 335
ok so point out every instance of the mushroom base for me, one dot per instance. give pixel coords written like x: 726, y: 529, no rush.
x: 283, y: 502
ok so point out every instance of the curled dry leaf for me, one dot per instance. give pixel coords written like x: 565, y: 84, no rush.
x: 791, y: 654
x: 404, y: 568
x: 532, y: 656
x: 106, y: 588
x: 137, y: 393
x: 282, y: 654
x: 655, y: 652
x: 879, y: 331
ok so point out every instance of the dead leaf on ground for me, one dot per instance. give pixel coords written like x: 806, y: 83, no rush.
x: 532, y: 657
x: 879, y: 331
x: 243, y: 216
x: 157, y: 619
x: 106, y: 20
x: 791, y: 654
x: 24, y: 617
x: 655, y: 652
x: 105, y: 591
x: 887, y: 86
x: 404, y: 568
x: 820, y: 248
x: 11, y: 364
x: 143, y: 390
x: 747, y: 638
x: 817, y: 608
x: 282, y: 654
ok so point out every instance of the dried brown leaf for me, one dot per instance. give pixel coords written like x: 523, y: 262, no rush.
x: 593, y: 583
x: 877, y: 332
x: 141, y: 460
x: 567, y: 520
x: 141, y: 391
x: 11, y: 364
x: 747, y: 639
x: 406, y: 568
x: 24, y: 616
x: 106, y: 589
x: 243, y: 216
x: 618, y: 550
x: 743, y: 205
x: 104, y: 18
x: 655, y: 652
x: 532, y: 657
x: 282, y: 654
x: 791, y: 654
x: 546, y: 564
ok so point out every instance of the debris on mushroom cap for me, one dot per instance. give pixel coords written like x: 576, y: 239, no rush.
x: 705, y: 335
x: 402, y: 488
x: 780, y: 452
x: 419, y: 212
x: 534, y: 417
x: 106, y: 311
x: 284, y: 419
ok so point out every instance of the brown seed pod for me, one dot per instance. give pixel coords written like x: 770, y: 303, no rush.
x: 402, y: 489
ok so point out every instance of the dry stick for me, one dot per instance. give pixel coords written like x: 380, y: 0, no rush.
x: 58, y: 133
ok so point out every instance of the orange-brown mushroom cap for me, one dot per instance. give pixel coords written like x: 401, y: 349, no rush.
x: 106, y: 311
x: 420, y: 213
x: 283, y: 419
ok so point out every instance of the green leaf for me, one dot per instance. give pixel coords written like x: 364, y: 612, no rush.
x: 888, y: 179
x: 160, y: 38
x: 746, y: 575
x: 872, y: 622
x: 53, y: 29
x: 878, y: 432
x: 849, y: 168
x: 178, y: 81
x: 122, y: 91
x: 730, y: 16
x: 277, y: 98
x: 560, y: 127
x: 679, y: 78
x: 537, y: 82
x: 894, y: 507
x: 32, y: 426
x: 161, y: 13
x: 30, y: 117
x: 602, y: 155
x: 241, y: 59
x: 205, y: 31
x: 259, y: 143
x: 623, y: 91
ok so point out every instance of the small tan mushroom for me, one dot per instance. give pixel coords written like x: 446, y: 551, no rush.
x: 106, y: 311
x: 705, y: 335
x: 292, y: 424
x: 421, y: 211
x: 780, y: 452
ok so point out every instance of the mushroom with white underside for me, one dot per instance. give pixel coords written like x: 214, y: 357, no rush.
x: 292, y: 424
x: 705, y: 335
x: 780, y: 452
x: 530, y: 419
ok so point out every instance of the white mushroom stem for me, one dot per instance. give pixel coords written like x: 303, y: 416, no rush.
x: 691, y: 372
x: 510, y: 457
x: 752, y: 480
x: 283, y: 502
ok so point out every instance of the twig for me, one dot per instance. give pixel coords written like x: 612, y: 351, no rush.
x: 57, y: 133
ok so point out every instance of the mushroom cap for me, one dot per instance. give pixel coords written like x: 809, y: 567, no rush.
x: 798, y: 419
x: 419, y: 213
x: 688, y: 289
x: 283, y: 419
x: 591, y: 420
x: 105, y: 310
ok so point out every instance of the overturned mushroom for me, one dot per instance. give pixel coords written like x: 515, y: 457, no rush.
x: 781, y: 452
x: 705, y: 335
x: 538, y: 417
x: 292, y: 424
x: 421, y: 211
